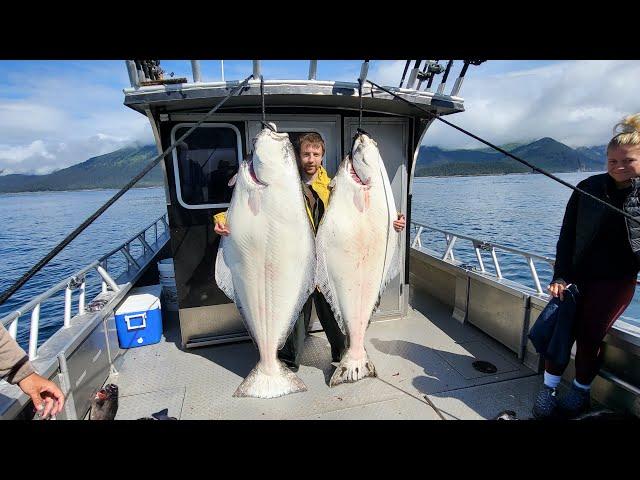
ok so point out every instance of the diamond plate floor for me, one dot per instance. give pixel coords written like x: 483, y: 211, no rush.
x: 427, y: 353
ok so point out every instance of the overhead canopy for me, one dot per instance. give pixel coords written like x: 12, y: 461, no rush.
x: 289, y: 93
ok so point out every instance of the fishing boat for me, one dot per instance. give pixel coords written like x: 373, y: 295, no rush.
x: 449, y: 339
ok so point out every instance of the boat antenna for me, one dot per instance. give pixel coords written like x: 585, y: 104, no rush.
x: 504, y: 152
x: 36, y: 268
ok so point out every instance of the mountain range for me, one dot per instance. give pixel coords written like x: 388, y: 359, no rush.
x: 546, y: 153
x: 115, y: 169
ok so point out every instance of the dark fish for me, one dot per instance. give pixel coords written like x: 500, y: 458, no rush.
x: 104, y: 405
x: 161, y: 415
x: 506, y: 415
x: 604, y: 415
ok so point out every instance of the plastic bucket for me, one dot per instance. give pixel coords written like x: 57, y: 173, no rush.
x: 168, y: 282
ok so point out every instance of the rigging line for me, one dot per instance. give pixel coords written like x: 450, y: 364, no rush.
x: 360, y: 94
x: 264, y: 115
x: 504, y: 152
x: 36, y: 268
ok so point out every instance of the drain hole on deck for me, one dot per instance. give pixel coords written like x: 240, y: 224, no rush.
x: 484, y: 367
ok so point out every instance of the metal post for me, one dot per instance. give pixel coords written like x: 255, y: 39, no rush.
x: 414, y: 74
x: 534, y: 273
x: 495, y: 263
x: 313, y: 69
x: 449, y: 251
x: 416, y: 240
x: 133, y: 74
x: 129, y: 257
x: 458, y: 85
x: 222, y: 69
x: 444, y: 77
x: 155, y: 232
x: 33, y: 336
x: 107, y: 278
x: 104, y: 284
x: 81, y: 297
x: 256, y: 69
x: 195, y: 68
x: 67, y: 307
x: 479, y: 257
x: 105, y: 327
x: 69, y: 403
x: 13, y: 328
x: 145, y: 245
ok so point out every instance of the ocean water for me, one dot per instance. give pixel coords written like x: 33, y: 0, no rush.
x: 520, y: 211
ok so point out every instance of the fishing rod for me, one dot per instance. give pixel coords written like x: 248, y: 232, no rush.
x: 404, y: 73
x: 38, y: 266
x: 504, y: 152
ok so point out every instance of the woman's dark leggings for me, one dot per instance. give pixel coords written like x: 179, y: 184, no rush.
x: 599, y: 305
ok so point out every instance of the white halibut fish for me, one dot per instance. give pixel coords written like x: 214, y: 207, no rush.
x: 357, y: 251
x: 266, y: 265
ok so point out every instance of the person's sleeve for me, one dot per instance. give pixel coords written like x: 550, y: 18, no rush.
x: 14, y: 362
x: 566, y: 241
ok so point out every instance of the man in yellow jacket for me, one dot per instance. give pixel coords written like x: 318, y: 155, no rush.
x: 315, y: 186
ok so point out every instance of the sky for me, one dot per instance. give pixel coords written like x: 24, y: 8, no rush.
x: 54, y: 114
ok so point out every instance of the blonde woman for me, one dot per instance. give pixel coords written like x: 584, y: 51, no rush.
x: 598, y: 251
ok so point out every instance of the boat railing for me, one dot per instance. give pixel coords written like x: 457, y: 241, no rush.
x: 139, y: 74
x: 78, y: 282
x: 479, y: 246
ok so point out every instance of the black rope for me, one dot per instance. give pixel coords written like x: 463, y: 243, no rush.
x: 360, y: 113
x: 36, y: 268
x: 264, y: 115
x: 504, y: 152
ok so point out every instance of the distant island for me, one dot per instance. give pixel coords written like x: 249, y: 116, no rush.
x: 115, y: 169
x: 545, y: 153
x: 112, y: 170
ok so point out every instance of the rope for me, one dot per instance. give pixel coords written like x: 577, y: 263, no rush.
x: 360, y: 113
x: 36, y: 268
x: 264, y: 115
x: 504, y: 152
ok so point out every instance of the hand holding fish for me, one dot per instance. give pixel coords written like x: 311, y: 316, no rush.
x: 221, y: 229
x: 399, y: 224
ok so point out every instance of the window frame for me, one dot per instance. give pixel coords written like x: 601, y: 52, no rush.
x: 176, y: 170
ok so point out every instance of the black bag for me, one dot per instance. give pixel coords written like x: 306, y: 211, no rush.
x: 552, y: 335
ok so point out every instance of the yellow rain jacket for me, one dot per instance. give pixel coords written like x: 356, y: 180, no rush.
x: 320, y: 185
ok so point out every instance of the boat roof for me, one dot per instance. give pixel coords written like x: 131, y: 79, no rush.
x: 288, y: 93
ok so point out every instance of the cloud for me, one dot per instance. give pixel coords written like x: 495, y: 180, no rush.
x: 575, y: 102
x: 56, y: 114
x: 53, y: 115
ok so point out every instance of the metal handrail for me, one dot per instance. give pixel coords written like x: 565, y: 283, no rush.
x: 480, y: 245
x: 136, y: 76
x: 77, y: 281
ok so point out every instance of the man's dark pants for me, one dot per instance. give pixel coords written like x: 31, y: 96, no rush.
x: 292, y: 349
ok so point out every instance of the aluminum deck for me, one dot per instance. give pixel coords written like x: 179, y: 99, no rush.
x: 427, y: 353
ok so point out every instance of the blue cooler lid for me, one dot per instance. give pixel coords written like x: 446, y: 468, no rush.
x: 141, y: 299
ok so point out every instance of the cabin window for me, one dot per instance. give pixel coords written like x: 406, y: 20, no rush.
x: 204, y: 163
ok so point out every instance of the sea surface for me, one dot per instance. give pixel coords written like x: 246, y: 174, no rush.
x: 520, y: 211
